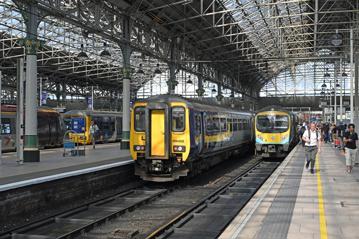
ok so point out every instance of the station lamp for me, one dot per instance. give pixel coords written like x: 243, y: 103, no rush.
x: 324, y: 85
x: 140, y: 70
x: 326, y: 74
x: 82, y: 55
x: 105, y: 53
x: 189, y: 81
x: 337, y: 84
x: 344, y: 74
x: 214, y: 89
x: 322, y: 93
x: 157, y: 70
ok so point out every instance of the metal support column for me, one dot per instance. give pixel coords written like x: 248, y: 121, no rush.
x: 20, y: 111
x: 172, y: 79
x: 335, y: 91
x: 218, y: 77
x: 356, y: 92
x: 63, y: 87
x: 341, y: 90
x: 200, y: 90
x: 351, y: 76
x: 31, y: 148
x: 58, y: 94
x: 172, y: 65
x: 0, y: 119
x: 126, y: 95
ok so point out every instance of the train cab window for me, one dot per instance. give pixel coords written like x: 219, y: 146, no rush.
x: 140, y: 119
x: 6, y: 126
x: 272, y: 123
x: 178, y: 119
x: 78, y: 125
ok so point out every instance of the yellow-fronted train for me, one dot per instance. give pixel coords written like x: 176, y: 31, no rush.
x: 173, y: 137
x: 275, y: 132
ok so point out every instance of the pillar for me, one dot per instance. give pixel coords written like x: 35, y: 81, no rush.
x: 63, y: 87
x: 58, y: 93
x: 126, y: 55
x: 356, y: 93
x: 351, y: 76
x: 172, y: 65
x: 172, y: 80
x: 219, y: 86
x: 200, y: 90
x: 31, y: 148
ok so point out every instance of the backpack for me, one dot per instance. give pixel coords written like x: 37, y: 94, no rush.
x: 301, y: 130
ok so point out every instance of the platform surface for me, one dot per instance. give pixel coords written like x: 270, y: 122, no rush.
x: 52, y: 162
x: 294, y: 203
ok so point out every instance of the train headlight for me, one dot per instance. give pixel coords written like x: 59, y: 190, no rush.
x: 139, y: 147
x: 179, y: 148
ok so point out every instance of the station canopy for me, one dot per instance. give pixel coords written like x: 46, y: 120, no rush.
x: 245, y: 45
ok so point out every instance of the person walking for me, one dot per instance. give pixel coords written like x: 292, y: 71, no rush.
x: 311, y: 137
x: 93, y: 131
x: 350, y: 138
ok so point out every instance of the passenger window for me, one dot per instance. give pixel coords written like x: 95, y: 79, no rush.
x: 140, y: 119
x: 178, y: 119
x: 235, y: 125
x: 223, y: 125
x: 197, y: 119
x: 216, y: 124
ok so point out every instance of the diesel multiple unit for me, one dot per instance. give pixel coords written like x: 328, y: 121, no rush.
x: 173, y: 137
x: 275, y: 132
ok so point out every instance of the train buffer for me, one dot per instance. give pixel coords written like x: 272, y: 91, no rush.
x: 72, y: 146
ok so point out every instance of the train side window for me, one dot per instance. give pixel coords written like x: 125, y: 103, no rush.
x: 140, y: 119
x: 197, y: 119
x: 235, y: 124
x: 223, y: 124
x: 178, y: 119
x: 216, y: 124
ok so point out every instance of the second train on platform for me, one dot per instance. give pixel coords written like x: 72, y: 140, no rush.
x: 275, y: 132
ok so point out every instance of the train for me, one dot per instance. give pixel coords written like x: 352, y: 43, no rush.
x: 108, y: 122
x: 275, y: 132
x: 50, y: 127
x: 173, y: 137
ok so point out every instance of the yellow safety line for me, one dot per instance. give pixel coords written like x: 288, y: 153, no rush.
x: 322, y: 221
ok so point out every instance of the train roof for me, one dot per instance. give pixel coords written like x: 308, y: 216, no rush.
x: 193, y: 103
x: 42, y: 109
x: 274, y: 108
x: 93, y: 112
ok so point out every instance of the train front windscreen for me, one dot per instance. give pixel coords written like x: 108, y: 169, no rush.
x: 272, y: 123
x: 76, y: 124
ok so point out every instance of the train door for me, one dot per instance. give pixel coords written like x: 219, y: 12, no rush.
x: 157, y: 131
x: 199, y: 139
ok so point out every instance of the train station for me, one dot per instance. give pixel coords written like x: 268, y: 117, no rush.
x: 199, y: 119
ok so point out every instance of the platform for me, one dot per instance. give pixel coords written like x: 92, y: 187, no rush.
x: 294, y: 203
x: 54, y: 166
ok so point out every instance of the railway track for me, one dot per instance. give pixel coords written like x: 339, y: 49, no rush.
x: 176, y: 211
x: 210, y: 216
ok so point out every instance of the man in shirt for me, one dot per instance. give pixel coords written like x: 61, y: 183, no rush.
x: 350, y: 138
x: 93, y: 130
x: 311, y: 137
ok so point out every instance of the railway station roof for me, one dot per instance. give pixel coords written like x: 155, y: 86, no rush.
x: 241, y: 44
